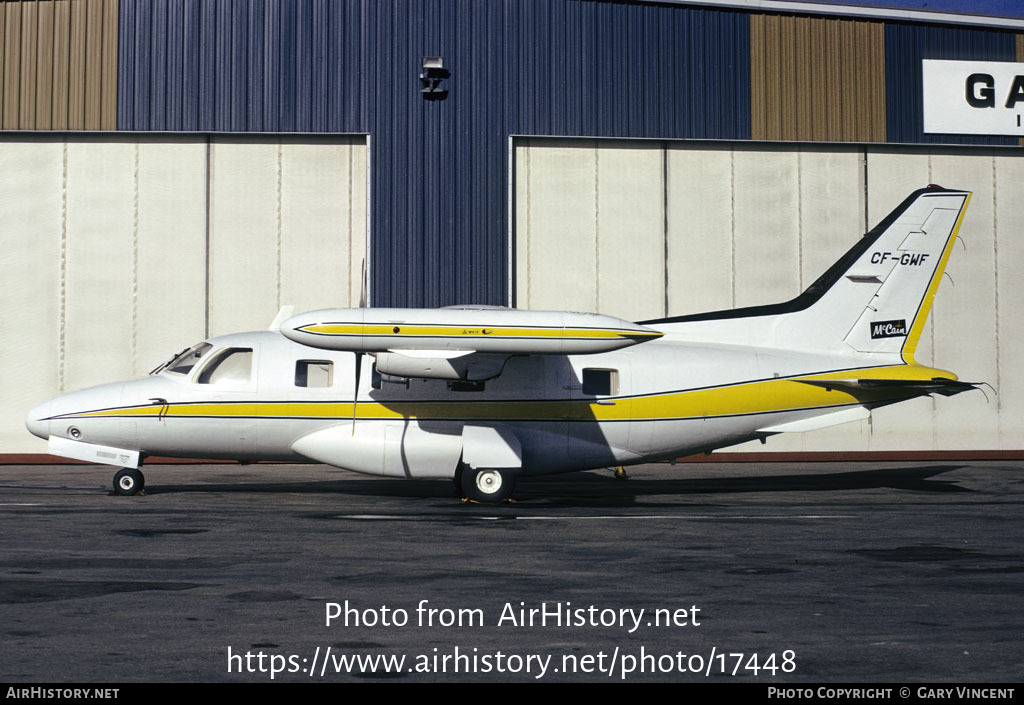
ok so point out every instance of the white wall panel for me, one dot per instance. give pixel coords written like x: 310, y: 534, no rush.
x: 557, y: 238
x: 322, y: 225
x: 767, y: 217
x: 100, y: 262
x: 31, y: 174
x: 1008, y: 226
x: 244, y: 225
x: 171, y: 277
x: 700, y: 229
x: 832, y: 209
x: 631, y: 222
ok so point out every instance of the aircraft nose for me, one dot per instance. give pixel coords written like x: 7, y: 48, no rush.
x: 35, y: 422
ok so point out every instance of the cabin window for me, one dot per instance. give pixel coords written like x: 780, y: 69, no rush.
x: 314, y: 373
x: 603, y: 383
x: 229, y: 365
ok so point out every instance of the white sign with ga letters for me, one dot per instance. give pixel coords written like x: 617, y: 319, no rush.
x: 973, y: 97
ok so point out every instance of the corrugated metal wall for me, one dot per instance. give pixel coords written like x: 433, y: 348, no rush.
x: 59, y: 64
x: 817, y: 79
x: 259, y: 66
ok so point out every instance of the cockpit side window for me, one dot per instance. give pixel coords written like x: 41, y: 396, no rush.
x: 183, y: 363
x: 229, y: 365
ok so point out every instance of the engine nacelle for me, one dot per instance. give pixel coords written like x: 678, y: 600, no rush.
x: 472, y: 367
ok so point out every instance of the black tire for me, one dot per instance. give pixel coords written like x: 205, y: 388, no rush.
x: 487, y: 486
x: 128, y: 482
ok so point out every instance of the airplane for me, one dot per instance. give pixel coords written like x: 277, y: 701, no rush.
x: 486, y: 395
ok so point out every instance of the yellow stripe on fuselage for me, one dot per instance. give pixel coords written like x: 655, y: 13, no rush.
x: 730, y: 400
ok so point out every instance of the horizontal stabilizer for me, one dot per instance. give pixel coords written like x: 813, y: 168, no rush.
x: 936, y: 385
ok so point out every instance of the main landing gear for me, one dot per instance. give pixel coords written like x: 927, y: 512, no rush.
x: 129, y: 481
x: 486, y: 485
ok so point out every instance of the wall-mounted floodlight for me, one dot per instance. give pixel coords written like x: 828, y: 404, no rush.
x: 433, y: 76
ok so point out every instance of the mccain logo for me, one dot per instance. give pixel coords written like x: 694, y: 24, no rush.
x: 889, y: 329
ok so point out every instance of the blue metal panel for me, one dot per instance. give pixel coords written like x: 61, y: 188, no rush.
x: 255, y: 52
x: 316, y: 93
x: 906, y: 46
x: 158, y: 65
x: 126, y: 35
x: 238, y: 88
x: 207, y: 68
x: 140, y: 98
x: 174, y: 70
x: 440, y: 180
x: 191, y: 21
x: 225, y: 37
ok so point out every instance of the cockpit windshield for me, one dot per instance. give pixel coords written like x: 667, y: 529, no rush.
x: 183, y: 362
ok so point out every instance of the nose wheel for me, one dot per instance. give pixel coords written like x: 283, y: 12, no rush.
x: 129, y: 481
x: 487, y: 486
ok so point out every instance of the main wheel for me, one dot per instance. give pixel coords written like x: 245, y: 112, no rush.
x: 487, y: 486
x: 128, y: 482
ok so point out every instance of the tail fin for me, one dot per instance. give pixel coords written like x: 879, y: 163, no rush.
x: 877, y: 296
x: 887, y: 290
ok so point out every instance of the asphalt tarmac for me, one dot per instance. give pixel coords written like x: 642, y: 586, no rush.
x: 771, y: 573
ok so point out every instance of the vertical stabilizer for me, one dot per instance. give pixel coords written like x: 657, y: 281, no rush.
x: 904, y: 266
x: 874, y: 299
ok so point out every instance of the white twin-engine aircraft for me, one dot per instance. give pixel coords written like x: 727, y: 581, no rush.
x: 485, y: 395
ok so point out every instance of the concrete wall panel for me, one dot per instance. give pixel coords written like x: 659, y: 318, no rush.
x: 31, y: 173
x: 1008, y: 176
x: 100, y: 261
x: 320, y: 223
x: 559, y: 240
x: 832, y: 208
x: 631, y: 222
x: 245, y: 249
x: 170, y: 285
x: 700, y: 229
x: 766, y: 188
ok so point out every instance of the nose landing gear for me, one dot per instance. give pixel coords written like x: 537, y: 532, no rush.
x: 129, y: 482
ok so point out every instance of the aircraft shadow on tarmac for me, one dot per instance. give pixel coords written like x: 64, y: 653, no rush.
x: 596, y: 489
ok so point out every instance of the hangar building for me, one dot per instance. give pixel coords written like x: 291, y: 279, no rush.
x: 174, y: 169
